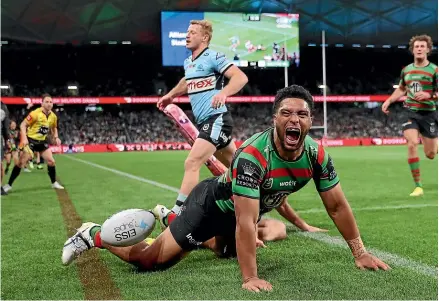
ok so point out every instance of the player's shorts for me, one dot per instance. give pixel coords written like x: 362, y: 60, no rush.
x: 201, y: 219
x: 217, y: 130
x: 38, y: 145
x: 426, y: 122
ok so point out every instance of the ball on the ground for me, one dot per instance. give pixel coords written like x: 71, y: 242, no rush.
x: 128, y: 227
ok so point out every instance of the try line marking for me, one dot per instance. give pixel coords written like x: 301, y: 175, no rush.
x: 390, y: 258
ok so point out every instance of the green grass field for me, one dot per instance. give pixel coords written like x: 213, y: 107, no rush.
x: 376, y: 180
x: 263, y: 32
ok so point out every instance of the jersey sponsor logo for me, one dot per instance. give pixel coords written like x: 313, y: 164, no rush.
x: 220, y: 55
x: 205, y: 127
x: 29, y: 118
x: 192, y: 240
x: 274, y: 200
x: 224, y: 137
x: 43, y: 130
x: 200, y: 68
x: 201, y: 84
x: 248, y: 174
x: 287, y: 183
x: 332, y: 174
x: 268, y: 183
x: 432, y: 127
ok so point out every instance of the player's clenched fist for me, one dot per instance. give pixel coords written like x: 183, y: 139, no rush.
x: 164, y: 101
x: 255, y: 284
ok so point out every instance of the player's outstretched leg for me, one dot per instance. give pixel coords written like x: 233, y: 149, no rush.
x: 16, y: 170
x: 160, y: 253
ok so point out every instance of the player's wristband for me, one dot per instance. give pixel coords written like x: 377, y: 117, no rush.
x: 357, y: 247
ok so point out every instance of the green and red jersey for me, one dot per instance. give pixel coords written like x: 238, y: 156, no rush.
x: 258, y: 172
x: 416, y: 79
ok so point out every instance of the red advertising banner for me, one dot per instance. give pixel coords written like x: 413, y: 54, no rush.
x: 161, y: 146
x: 154, y: 99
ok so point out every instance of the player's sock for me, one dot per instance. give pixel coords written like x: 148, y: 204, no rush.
x: 95, y: 233
x: 180, y: 200
x: 14, y: 174
x: 416, y: 173
x: 52, y: 173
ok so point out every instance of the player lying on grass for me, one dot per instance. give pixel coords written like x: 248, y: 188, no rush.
x: 204, y: 76
x: 265, y: 169
x: 34, y: 131
x: 419, y: 81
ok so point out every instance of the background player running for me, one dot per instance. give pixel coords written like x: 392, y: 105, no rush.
x: 14, y: 141
x: 34, y: 130
x: 205, y: 70
x: 419, y: 81
x: 265, y: 170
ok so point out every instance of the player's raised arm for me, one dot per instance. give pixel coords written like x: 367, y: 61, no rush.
x: 178, y: 90
x: 397, y: 94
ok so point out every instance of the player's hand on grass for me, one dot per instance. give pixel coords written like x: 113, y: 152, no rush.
x: 309, y: 228
x: 219, y: 100
x: 368, y: 261
x: 164, y: 101
x: 385, y: 107
x: 260, y: 243
x: 422, y: 95
x: 256, y: 285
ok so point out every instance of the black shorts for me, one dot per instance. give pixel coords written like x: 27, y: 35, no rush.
x: 201, y: 219
x: 38, y: 145
x: 424, y: 121
x: 217, y: 130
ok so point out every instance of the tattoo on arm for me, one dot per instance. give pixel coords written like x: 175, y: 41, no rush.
x: 357, y: 247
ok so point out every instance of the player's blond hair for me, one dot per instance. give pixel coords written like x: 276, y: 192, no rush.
x: 206, y: 27
x: 421, y: 38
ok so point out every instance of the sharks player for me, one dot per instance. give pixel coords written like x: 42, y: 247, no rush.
x: 205, y: 70
x: 265, y: 170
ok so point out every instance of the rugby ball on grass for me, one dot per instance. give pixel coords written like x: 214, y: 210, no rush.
x: 128, y: 227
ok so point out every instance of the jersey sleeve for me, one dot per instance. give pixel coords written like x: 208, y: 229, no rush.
x: 402, y: 83
x: 32, y: 117
x: 247, y: 173
x: 435, y: 80
x: 325, y: 176
x: 54, y: 124
x: 220, y: 62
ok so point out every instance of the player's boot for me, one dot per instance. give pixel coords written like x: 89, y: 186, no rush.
x: 78, y: 243
x: 161, y: 214
x: 40, y: 166
x: 57, y: 185
x: 4, y: 192
x: 31, y: 165
x: 26, y: 169
x: 7, y: 188
x: 417, y: 192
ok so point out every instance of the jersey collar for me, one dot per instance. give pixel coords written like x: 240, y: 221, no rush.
x: 193, y: 59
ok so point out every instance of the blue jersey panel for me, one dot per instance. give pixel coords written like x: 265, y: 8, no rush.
x: 204, y: 77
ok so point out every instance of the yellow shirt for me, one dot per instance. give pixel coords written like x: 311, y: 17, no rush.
x: 39, y: 124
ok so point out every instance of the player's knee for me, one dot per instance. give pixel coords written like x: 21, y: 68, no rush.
x: 192, y: 164
x: 51, y: 162
x: 412, y: 144
x: 430, y: 155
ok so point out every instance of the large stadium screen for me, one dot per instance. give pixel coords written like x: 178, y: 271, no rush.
x: 258, y: 40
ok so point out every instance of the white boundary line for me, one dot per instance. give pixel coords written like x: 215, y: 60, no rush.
x: 392, y: 259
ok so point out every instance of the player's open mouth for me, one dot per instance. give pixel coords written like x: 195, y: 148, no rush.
x: 292, y: 135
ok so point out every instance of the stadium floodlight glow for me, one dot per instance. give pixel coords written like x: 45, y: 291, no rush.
x: 370, y: 46
x: 72, y: 87
x: 395, y: 86
x: 402, y: 47
x: 321, y: 86
x: 339, y: 45
x: 4, y: 87
x: 386, y: 46
x: 356, y: 45
x: 312, y: 44
x: 126, y: 42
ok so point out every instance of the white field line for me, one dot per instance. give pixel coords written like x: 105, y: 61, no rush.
x: 390, y: 258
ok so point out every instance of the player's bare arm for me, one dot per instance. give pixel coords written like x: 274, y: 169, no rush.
x: 287, y: 212
x: 247, y: 212
x: 23, y: 131
x: 237, y: 81
x: 340, y: 212
x: 397, y: 94
x: 55, y: 135
x: 178, y: 90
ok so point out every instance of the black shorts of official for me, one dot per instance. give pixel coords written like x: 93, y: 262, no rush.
x: 426, y: 122
x: 201, y: 219
x: 217, y: 130
x: 38, y: 145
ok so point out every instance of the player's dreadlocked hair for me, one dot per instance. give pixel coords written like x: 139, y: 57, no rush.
x: 293, y: 91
